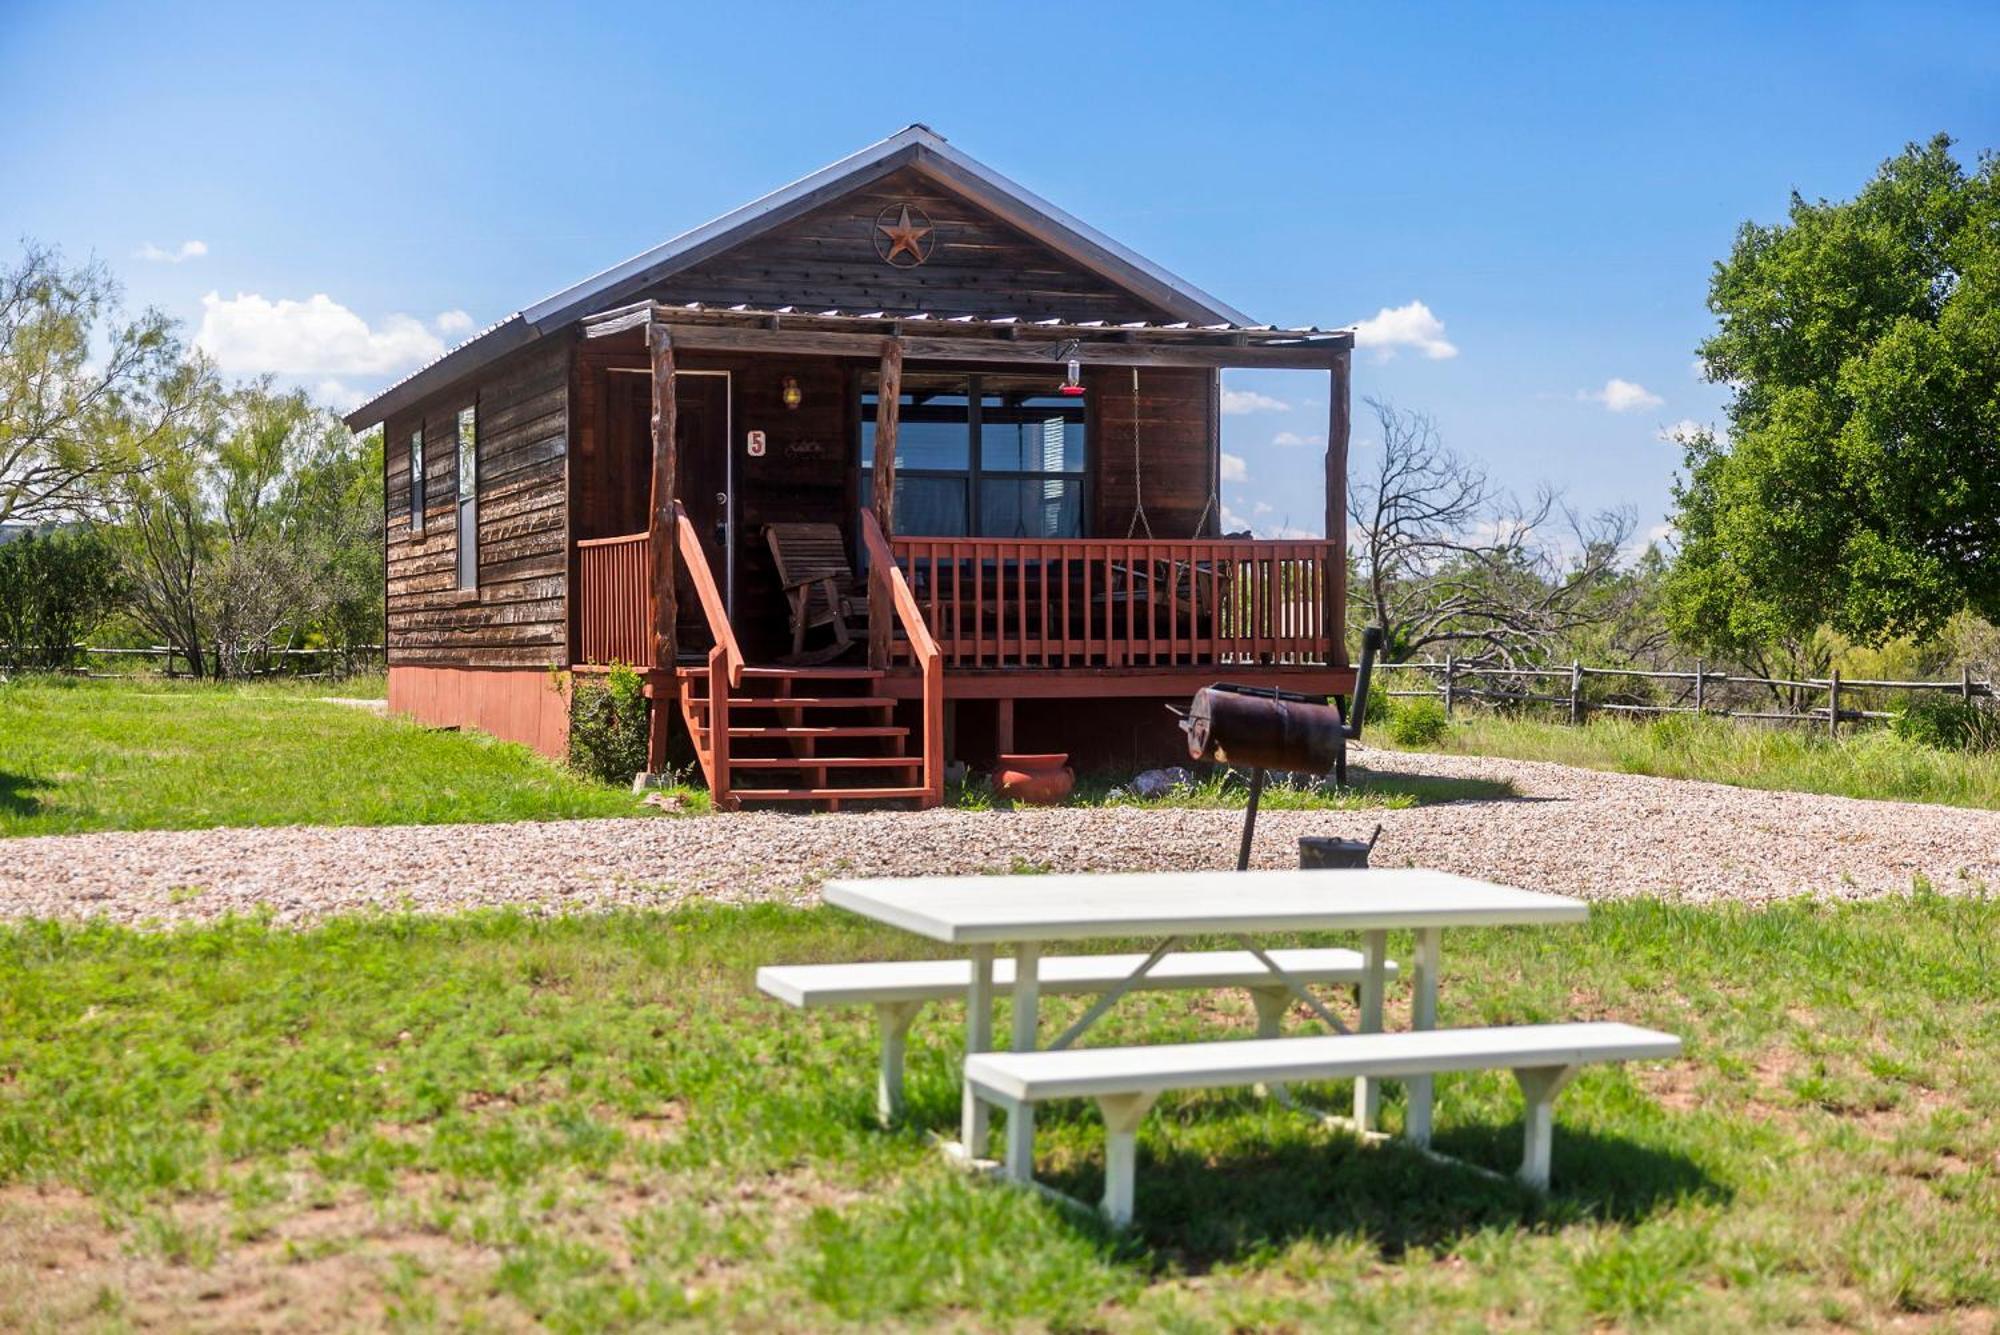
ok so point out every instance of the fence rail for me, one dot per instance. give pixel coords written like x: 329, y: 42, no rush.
x: 1456, y: 682
x: 166, y: 653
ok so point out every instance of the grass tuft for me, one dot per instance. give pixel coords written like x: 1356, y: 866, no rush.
x: 1874, y: 763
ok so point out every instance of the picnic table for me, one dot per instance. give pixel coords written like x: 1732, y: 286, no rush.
x: 1023, y: 913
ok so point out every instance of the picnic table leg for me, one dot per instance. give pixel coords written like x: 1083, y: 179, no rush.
x: 893, y: 1018
x: 1027, y: 1007
x: 1367, y: 1090
x: 978, y: 1038
x: 1423, y: 1015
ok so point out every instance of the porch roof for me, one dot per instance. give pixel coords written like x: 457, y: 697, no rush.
x: 982, y: 337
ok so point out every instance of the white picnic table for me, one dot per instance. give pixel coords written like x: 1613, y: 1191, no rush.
x: 983, y: 913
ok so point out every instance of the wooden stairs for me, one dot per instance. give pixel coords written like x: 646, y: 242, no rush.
x: 817, y: 735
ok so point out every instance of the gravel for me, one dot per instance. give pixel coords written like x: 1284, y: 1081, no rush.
x: 1582, y: 832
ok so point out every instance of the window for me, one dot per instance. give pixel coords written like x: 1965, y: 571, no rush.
x: 468, y: 499
x: 995, y: 456
x: 417, y: 480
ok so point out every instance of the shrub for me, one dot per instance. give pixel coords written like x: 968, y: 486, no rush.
x: 607, y: 725
x: 1380, y: 707
x: 55, y: 589
x: 1418, y: 722
x: 1950, y: 725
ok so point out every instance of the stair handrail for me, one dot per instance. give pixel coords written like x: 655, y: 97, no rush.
x: 695, y: 561
x: 923, y: 646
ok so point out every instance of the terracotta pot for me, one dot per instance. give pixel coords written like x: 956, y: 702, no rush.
x: 1038, y: 780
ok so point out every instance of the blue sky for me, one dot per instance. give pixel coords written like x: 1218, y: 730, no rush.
x: 1520, y: 202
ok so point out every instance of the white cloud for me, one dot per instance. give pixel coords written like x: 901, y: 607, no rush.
x: 1659, y: 535
x: 251, y: 334
x: 1236, y: 402
x: 1411, y: 326
x: 453, y: 322
x: 338, y: 396
x: 1294, y: 438
x: 188, y: 250
x: 1233, y: 469
x: 1621, y: 396
x: 1680, y: 432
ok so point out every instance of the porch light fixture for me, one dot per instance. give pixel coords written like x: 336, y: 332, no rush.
x: 791, y: 394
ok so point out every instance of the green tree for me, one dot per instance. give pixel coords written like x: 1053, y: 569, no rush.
x: 1858, y: 486
x: 83, y: 392
x: 257, y: 527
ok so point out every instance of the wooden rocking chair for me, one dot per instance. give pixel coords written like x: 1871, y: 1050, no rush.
x: 819, y: 585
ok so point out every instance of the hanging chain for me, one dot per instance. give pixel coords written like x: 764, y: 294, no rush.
x: 1139, y: 519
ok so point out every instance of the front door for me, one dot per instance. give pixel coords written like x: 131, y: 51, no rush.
x: 701, y: 431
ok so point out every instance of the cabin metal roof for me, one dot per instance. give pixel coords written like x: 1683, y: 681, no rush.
x: 707, y: 312
x: 916, y: 146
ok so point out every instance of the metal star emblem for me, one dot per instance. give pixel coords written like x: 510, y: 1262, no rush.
x: 903, y: 237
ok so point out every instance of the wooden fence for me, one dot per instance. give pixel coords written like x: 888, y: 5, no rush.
x: 1458, y: 681
x: 350, y: 656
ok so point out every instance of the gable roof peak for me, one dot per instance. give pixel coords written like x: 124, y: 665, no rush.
x: 916, y: 145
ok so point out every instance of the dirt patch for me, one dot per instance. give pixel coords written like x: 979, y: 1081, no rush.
x: 70, y: 1264
x: 199, y: 1263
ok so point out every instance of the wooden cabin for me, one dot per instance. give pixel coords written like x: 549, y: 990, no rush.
x: 992, y: 431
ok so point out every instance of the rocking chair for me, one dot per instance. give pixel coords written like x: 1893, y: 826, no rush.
x: 819, y: 585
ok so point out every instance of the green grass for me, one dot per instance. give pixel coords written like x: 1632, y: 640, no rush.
x: 1871, y: 763
x: 93, y: 755
x: 596, y: 1122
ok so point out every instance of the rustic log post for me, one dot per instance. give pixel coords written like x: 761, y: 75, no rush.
x: 1700, y: 678
x: 1575, y: 692
x: 1965, y: 682
x: 1450, y: 671
x: 1337, y: 427
x: 660, y: 531
x: 888, y: 401
x: 1833, y: 703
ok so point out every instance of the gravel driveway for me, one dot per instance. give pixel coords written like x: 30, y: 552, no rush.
x: 1589, y: 833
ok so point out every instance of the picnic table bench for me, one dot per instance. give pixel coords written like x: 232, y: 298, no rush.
x: 899, y: 989
x: 1126, y: 1081
x: 981, y: 913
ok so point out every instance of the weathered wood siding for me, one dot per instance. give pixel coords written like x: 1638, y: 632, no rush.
x: 1175, y: 415
x: 518, y: 615
x: 979, y: 265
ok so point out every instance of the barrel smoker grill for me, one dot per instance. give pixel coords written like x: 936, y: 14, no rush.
x: 1263, y: 728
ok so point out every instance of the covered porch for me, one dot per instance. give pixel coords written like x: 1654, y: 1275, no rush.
x: 1089, y: 605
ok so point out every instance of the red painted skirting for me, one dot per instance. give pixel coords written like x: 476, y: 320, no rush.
x: 526, y: 705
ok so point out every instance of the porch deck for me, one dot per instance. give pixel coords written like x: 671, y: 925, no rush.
x: 974, y: 619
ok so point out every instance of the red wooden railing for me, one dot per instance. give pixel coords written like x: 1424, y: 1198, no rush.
x: 1025, y: 603
x: 615, y: 595
x: 694, y: 564
x: 922, y: 646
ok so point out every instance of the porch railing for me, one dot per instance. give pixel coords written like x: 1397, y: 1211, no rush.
x: 1024, y: 603
x: 615, y: 613
x: 922, y: 646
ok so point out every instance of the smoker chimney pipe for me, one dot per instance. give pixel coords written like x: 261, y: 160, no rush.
x: 1371, y: 645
